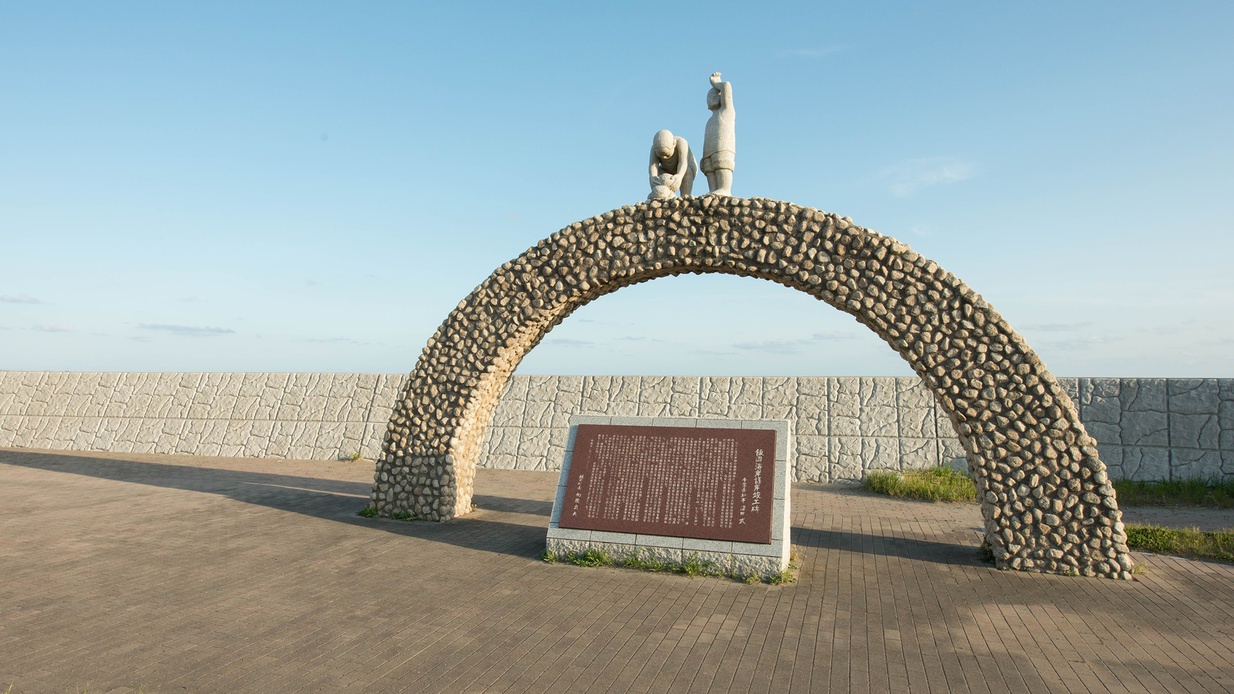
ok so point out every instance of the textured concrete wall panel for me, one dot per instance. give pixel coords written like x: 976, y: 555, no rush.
x: 1146, y: 428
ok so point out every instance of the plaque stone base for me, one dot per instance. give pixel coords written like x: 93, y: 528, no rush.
x: 641, y: 489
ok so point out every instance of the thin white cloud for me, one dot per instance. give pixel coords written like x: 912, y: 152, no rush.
x: 1167, y: 329
x: 569, y: 342
x: 334, y: 340
x: 1056, y: 327
x: 19, y: 299
x: 773, y: 346
x: 819, y: 52
x: 186, y: 330
x: 795, y: 346
x: 1082, y: 342
x: 907, y: 177
x: 52, y: 328
x: 833, y: 335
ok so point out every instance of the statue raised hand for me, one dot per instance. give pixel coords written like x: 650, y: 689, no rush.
x: 720, y: 141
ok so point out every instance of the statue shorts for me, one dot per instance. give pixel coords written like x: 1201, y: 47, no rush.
x: 715, y: 161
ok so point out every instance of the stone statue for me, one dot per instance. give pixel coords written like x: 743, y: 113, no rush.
x: 720, y: 142
x: 672, y: 167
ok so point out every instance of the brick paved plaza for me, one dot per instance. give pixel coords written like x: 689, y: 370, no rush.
x: 126, y: 573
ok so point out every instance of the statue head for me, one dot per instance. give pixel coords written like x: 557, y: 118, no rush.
x: 713, y: 98
x: 664, y: 144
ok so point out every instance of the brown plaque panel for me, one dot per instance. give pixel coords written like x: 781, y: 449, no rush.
x: 711, y: 484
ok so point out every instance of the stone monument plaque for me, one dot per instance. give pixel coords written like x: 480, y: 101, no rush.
x: 705, y: 483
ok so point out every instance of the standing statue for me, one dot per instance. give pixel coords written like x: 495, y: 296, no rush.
x: 720, y: 142
x: 672, y: 167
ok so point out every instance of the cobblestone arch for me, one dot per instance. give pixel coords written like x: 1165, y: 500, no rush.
x: 1045, y: 497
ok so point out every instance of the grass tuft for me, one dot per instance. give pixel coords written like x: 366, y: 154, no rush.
x: 370, y: 512
x: 645, y: 562
x: 592, y: 557
x: 933, y: 484
x: 790, y: 574
x: 1192, y: 492
x: 985, y: 552
x: 1191, y: 542
x: 785, y: 576
x: 694, y: 565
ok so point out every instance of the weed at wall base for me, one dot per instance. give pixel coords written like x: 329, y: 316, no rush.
x: 1191, y: 542
x: 932, y: 484
x: 1209, y: 493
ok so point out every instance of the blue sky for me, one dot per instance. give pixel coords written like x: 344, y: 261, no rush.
x: 313, y: 186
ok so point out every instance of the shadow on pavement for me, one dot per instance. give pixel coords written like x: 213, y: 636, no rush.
x: 488, y: 529
x: 904, y: 547
x: 501, y: 524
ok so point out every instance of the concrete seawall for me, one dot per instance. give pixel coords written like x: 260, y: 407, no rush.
x: 1147, y: 428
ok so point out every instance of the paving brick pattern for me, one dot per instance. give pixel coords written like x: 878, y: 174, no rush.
x: 121, y: 572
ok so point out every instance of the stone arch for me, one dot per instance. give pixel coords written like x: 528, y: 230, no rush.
x: 1045, y: 496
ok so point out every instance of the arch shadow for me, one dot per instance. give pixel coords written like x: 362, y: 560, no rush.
x: 497, y: 529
